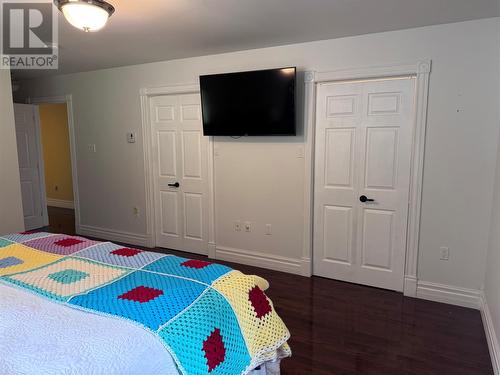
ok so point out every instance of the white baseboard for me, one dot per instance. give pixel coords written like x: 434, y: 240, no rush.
x: 491, y: 336
x: 258, y: 259
x: 60, y: 203
x: 449, y: 294
x: 114, y: 235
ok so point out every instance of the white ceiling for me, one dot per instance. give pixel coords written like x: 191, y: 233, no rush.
x: 153, y: 30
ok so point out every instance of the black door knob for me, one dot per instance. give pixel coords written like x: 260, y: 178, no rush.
x: 364, y: 199
x: 174, y: 185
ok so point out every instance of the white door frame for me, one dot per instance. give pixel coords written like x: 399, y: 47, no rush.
x: 68, y: 100
x: 420, y: 70
x: 145, y: 94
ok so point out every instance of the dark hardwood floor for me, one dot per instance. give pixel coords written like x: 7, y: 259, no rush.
x: 344, y: 329
x: 61, y: 220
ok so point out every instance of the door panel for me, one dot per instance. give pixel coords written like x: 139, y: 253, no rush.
x: 191, y: 154
x: 381, y: 158
x: 178, y: 154
x: 164, y: 113
x: 23, y: 148
x: 190, y: 112
x: 341, y: 105
x: 363, y: 147
x: 338, y: 242
x: 339, y: 157
x: 168, y: 154
x: 28, y: 199
x: 383, y: 103
x: 377, y: 239
x: 28, y: 152
x: 170, y: 212
x: 193, y: 204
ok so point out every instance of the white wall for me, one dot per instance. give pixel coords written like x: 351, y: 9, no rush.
x: 459, y: 160
x: 261, y: 181
x: 492, y: 279
x: 11, y: 210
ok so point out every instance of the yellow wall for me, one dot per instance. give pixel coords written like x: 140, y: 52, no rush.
x: 56, y: 152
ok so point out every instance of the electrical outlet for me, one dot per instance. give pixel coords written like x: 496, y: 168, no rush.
x: 237, y: 226
x: 91, y: 147
x: 268, y: 229
x: 248, y: 226
x: 444, y: 253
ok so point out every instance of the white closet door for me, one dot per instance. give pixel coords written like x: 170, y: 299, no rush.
x: 28, y: 143
x: 180, y: 172
x: 364, y: 135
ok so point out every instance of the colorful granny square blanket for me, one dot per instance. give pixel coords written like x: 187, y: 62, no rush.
x: 199, y: 270
x: 210, y: 318
x: 26, y: 236
x: 60, y: 244
x: 18, y: 258
x: 67, y: 277
x: 107, y: 252
x: 4, y: 242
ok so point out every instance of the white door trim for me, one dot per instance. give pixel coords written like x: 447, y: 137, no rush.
x: 145, y: 93
x: 68, y: 99
x: 41, y: 166
x: 420, y: 70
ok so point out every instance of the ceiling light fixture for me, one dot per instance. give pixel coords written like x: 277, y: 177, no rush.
x: 86, y: 15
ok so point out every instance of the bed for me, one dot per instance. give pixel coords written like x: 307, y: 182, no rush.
x: 70, y: 305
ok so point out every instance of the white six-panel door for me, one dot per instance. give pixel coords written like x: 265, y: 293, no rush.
x: 363, y: 148
x: 28, y: 153
x: 179, y: 153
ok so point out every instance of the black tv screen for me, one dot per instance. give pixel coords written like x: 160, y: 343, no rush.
x: 249, y: 103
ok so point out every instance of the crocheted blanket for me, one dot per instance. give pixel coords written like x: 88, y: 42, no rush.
x: 212, y: 319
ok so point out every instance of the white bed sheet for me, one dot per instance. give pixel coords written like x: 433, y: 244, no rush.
x: 38, y: 336
x: 42, y: 337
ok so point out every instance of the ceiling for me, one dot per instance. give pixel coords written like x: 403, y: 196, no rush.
x: 143, y: 31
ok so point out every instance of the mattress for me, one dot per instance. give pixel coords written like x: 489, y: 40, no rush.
x: 42, y: 335
x: 91, y: 344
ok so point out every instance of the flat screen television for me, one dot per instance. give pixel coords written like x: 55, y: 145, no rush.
x: 251, y: 103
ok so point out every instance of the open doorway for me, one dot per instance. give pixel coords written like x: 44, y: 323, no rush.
x: 46, y: 162
x: 56, y: 153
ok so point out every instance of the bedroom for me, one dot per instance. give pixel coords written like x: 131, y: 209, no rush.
x: 268, y: 182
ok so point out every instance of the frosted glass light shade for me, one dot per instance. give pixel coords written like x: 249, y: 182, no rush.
x: 86, y: 15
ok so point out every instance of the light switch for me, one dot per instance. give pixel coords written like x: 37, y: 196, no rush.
x: 131, y: 137
x: 444, y: 253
